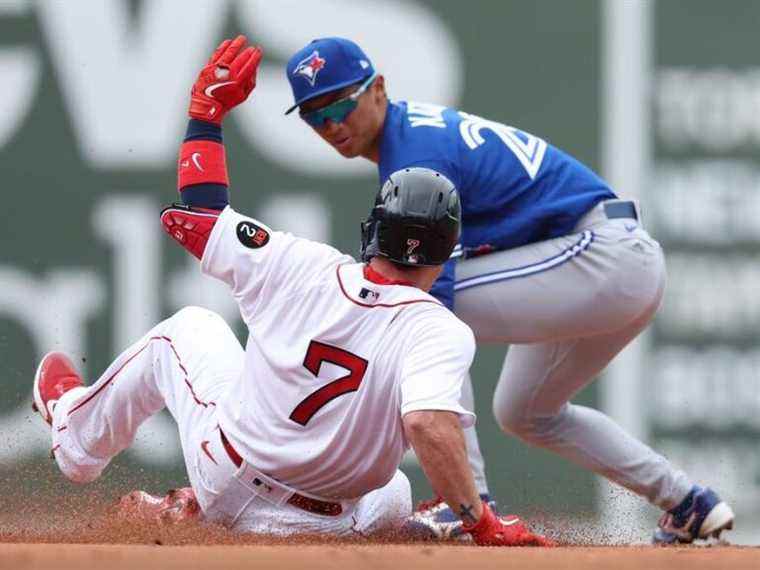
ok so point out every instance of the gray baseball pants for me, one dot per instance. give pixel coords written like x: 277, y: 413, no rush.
x: 567, y: 306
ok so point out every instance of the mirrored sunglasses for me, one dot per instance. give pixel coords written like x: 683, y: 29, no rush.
x: 337, y: 111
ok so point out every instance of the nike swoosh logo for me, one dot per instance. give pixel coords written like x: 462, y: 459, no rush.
x: 196, y: 160
x: 209, y: 91
x: 204, y: 447
x: 510, y: 522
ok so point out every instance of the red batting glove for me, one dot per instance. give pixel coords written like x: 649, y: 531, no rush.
x: 225, y: 82
x: 491, y: 530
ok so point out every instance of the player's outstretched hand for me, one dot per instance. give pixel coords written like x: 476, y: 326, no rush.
x: 226, y: 80
x: 492, y: 530
x: 178, y: 506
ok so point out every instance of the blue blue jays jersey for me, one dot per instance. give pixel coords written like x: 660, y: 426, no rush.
x: 515, y: 188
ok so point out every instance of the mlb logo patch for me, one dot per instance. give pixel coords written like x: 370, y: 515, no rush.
x: 369, y: 295
x: 310, y: 67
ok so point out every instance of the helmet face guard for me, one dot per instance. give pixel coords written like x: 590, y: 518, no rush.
x: 415, y: 221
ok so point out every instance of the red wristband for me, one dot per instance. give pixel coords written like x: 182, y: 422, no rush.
x: 201, y: 162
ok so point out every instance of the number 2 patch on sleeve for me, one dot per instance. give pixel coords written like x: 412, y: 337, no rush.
x: 251, y: 235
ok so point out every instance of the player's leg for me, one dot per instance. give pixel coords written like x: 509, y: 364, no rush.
x: 531, y: 402
x: 579, y: 300
x: 384, y: 510
x: 184, y: 363
x: 381, y: 511
x: 474, y: 455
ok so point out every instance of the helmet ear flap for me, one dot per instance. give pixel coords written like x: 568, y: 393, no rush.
x: 369, y: 228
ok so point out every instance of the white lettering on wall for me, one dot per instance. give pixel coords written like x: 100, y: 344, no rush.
x: 55, y: 312
x: 126, y: 89
x: 126, y: 85
x: 130, y: 226
x: 20, y: 70
x: 714, y: 109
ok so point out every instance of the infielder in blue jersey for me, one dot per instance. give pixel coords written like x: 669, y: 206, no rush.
x: 551, y: 262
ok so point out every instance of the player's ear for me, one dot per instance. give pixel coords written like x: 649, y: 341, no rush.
x: 378, y: 89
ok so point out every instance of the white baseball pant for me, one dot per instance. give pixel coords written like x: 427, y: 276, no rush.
x: 185, y: 364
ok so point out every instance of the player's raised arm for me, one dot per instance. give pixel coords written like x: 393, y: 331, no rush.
x: 227, y: 79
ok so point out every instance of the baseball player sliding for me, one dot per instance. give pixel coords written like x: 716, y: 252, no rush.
x: 346, y: 363
x: 552, y: 263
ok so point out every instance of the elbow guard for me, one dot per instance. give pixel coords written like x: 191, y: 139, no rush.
x: 190, y: 227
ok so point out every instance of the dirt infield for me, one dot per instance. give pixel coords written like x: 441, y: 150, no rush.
x: 116, y: 545
x: 377, y: 557
x: 79, y: 533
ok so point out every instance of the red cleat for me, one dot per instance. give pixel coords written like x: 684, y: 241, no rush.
x: 55, y: 376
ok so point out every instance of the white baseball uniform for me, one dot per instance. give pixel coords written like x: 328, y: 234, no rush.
x: 312, y: 408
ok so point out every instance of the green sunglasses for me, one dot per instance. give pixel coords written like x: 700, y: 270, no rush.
x: 337, y: 111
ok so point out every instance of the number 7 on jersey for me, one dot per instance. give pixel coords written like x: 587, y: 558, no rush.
x: 316, y: 354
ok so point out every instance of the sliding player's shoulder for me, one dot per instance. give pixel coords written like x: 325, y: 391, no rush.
x: 439, y: 325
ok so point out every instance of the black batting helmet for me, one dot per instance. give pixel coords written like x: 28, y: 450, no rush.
x: 415, y: 220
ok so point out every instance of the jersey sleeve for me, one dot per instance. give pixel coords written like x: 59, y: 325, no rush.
x: 261, y: 265
x: 435, y: 365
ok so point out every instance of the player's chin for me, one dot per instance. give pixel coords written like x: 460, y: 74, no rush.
x: 348, y: 148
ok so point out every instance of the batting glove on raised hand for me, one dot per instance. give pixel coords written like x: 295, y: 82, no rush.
x: 226, y: 80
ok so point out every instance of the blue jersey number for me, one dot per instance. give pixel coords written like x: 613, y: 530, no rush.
x: 528, y: 149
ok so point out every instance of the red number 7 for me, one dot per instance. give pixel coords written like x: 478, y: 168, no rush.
x: 317, y: 354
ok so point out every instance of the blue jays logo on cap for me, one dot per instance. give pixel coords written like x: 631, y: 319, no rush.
x: 327, y: 64
x: 310, y: 66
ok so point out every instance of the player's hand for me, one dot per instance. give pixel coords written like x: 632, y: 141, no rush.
x: 179, y: 505
x: 492, y: 530
x: 226, y: 80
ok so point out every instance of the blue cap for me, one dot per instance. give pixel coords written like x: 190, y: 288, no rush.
x: 325, y: 65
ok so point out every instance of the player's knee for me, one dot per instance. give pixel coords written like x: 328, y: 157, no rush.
x: 533, y: 429
x: 77, y: 470
x: 511, y: 417
x: 400, y: 503
x: 386, y: 509
x: 191, y: 317
x: 512, y: 422
x: 193, y: 313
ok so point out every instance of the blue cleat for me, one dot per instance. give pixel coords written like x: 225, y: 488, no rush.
x: 434, y: 520
x: 700, y: 515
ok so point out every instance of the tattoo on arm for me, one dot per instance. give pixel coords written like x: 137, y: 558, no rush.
x: 466, y: 514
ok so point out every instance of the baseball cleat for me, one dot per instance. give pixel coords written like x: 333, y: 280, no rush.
x: 434, y: 520
x: 55, y: 376
x: 701, y: 515
x: 179, y: 505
